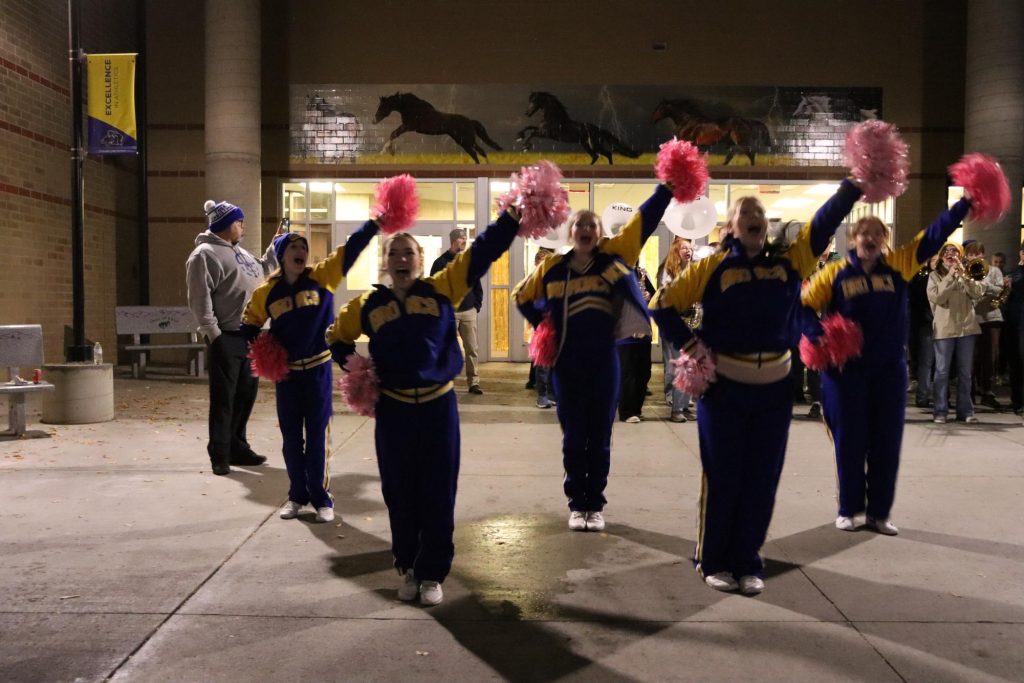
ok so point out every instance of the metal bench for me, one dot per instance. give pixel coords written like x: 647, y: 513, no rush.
x: 21, y: 346
x: 136, y: 321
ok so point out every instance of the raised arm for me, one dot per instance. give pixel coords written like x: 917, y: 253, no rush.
x: 633, y: 235
x: 456, y: 279
x: 813, y: 239
x: 909, y: 258
x: 333, y: 269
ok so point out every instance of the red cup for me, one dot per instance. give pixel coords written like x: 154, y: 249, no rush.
x: 37, y: 376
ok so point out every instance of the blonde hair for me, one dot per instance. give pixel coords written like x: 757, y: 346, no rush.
x: 731, y: 215
x: 586, y: 213
x: 862, y: 225
x: 387, y: 246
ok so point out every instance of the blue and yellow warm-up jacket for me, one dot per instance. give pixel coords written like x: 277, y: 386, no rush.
x: 588, y: 299
x: 300, y: 313
x: 412, y: 342
x: 879, y: 301
x: 751, y: 305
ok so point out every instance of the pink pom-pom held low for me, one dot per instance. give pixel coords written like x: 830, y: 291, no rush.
x: 695, y: 370
x: 681, y: 165
x: 841, y: 341
x: 268, y: 357
x: 537, y: 193
x: 877, y: 158
x: 985, y: 183
x: 544, y: 344
x: 397, y: 203
x: 359, y: 385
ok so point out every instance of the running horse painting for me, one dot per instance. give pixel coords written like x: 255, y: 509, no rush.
x: 745, y: 135
x: 419, y: 116
x: 557, y: 125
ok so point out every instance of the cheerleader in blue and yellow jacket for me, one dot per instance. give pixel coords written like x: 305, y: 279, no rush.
x: 865, y: 401
x: 751, y: 303
x: 299, y: 302
x: 411, y: 329
x: 579, y: 291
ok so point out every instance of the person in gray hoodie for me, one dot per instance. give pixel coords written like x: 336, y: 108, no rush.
x: 221, y: 277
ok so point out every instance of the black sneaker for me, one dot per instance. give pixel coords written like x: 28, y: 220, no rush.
x: 220, y: 468
x: 990, y: 401
x: 248, y: 458
x: 815, y: 412
x: 475, y: 389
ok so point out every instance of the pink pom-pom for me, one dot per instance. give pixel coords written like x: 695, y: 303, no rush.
x: 694, y: 370
x: 544, y: 344
x: 397, y: 203
x: 813, y: 354
x: 359, y: 385
x: 877, y: 158
x: 537, y: 193
x: 841, y: 341
x: 268, y: 357
x: 985, y: 183
x: 682, y: 166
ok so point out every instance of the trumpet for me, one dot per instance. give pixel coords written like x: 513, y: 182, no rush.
x: 976, y: 268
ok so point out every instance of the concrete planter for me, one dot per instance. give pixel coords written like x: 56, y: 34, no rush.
x: 84, y: 393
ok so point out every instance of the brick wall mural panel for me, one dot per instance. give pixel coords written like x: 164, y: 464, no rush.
x: 606, y: 124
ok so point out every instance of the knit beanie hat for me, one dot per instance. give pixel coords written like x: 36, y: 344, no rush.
x: 959, y: 249
x: 281, y: 243
x: 221, y: 214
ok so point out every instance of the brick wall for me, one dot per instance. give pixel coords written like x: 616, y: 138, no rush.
x: 35, y: 192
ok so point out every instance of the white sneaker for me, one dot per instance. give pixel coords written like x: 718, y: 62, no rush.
x: 722, y: 581
x: 325, y: 514
x: 971, y: 420
x: 632, y: 419
x: 410, y: 587
x: 883, y: 526
x: 595, y: 521
x: 430, y: 593
x: 751, y: 585
x: 577, y: 521
x: 940, y: 420
x: 845, y: 523
x: 290, y: 510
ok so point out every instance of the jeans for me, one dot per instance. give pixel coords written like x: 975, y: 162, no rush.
x: 680, y: 399
x: 944, y: 350
x: 925, y: 360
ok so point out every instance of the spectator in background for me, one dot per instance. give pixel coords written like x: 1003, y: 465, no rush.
x: 542, y: 376
x: 955, y: 328
x: 1014, y: 332
x: 221, y: 276
x: 990, y: 319
x: 634, y: 349
x: 679, y: 256
x: 466, y: 315
x: 922, y: 345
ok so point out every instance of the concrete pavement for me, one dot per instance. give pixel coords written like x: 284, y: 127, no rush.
x: 122, y: 557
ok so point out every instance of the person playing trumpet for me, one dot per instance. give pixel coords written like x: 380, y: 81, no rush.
x: 990, y: 319
x: 952, y: 296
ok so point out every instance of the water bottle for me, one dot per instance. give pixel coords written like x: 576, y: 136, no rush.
x: 97, y: 354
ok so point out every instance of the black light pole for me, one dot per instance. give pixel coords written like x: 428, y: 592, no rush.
x: 78, y: 351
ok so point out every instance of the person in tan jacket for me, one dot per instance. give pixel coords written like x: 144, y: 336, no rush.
x: 955, y: 328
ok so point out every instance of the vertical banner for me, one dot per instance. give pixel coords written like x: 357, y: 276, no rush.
x: 111, y: 104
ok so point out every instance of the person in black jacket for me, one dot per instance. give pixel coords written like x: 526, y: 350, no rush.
x: 466, y: 314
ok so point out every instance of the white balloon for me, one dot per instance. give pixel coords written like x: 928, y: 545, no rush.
x: 693, y: 219
x: 615, y: 216
x: 557, y: 238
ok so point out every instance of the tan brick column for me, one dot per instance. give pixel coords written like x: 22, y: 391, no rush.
x: 994, y: 112
x: 233, y: 157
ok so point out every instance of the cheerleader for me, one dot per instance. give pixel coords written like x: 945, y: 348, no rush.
x: 578, y: 290
x: 411, y: 329
x: 299, y: 302
x: 750, y: 299
x: 865, y: 400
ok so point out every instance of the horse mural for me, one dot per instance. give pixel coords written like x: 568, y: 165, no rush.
x: 419, y: 116
x: 557, y: 125
x: 692, y: 125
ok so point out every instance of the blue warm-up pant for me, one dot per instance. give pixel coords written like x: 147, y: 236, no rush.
x: 418, y: 457
x: 743, y: 429
x: 865, y: 411
x: 588, y: 394
x: 304, y: 404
